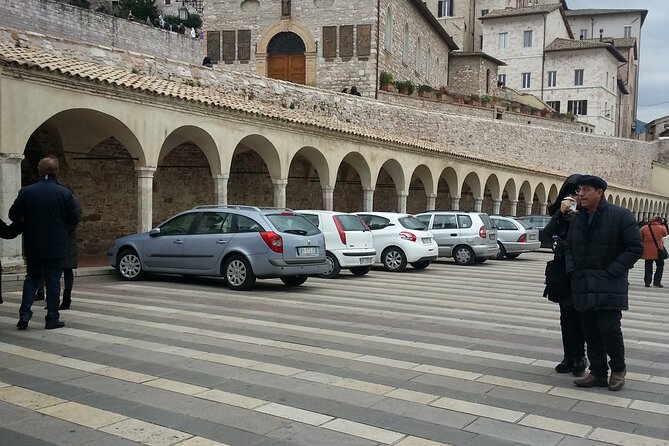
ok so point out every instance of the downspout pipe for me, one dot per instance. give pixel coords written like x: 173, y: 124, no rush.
x: 543, y: 59
x: 378, y: 48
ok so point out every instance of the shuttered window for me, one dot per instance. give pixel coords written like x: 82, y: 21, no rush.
x: 229, y: 46
x: 214, y: 46
x: 329, y: 42
x: 364, y: 40
x: 346, y: 41
x: 244, y: 44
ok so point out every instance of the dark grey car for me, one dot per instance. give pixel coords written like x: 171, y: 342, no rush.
x: 240, y: 243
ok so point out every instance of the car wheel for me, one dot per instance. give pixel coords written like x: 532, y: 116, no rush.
x: 334, y: 267
x: 294, y: 280
x: 238, y: 274
x: 502, y: 251
x: 129, y: 265
x: 463, y: 255
x: 512, y: 256
x: 360, y: 270
x: 394, y: 260
x: 480, y: 260
x: 421, y: 265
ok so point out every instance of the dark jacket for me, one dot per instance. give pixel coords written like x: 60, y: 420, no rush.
x: 46, y: 210
x: 9, y: 231
x: 599, y: 256
x: 71, y: 259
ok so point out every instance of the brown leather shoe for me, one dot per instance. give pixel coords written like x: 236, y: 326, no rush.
x: 617, y: 380
x: 591, y: 381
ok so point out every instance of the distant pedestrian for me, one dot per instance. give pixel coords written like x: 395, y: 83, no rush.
x: 47, y: 210
x: 130, y: 16
x: 344, y: 90
x: 7, y: 232
x: 207, y: 62
x: 161, y: 21
x: 354, y: 91
x: 193, y: 33
x: 651, y: 236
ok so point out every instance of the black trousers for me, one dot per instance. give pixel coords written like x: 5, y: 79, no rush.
x: 605, y: 338
x: 573, y: 339
x: 657, y: 280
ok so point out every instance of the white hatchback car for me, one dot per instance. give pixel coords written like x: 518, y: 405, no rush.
x: 348, y: 241
x: 400, y: 239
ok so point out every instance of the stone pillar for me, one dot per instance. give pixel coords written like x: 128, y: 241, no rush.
x: 514, y: 208
x: 10, y: 183
x: 368, y: 199
x: 543, y: 208
x: 280, y: 193
x: 144, y: 198
x: 477, y: 204
x: 431, y: 202
x: 528, y: 208
x: 328, y: 198
x: 221, y: 189
x: 402, y: 202
x: 496, y: 205
x: 455, y: 202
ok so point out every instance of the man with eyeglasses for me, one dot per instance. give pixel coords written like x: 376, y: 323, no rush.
x: 603, y: 244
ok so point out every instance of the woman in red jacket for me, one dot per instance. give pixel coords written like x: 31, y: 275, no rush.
x: 650, y: 250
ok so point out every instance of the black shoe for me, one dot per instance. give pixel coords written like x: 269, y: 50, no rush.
x: 22, y: 324
x: 64, y: 305
x: 579, y: 366
x: 566, y: 366
x: 647, y: 285
x: 38, y: 296
x: 659, y: 285
x: 54, y: 325
x: 1, y: 301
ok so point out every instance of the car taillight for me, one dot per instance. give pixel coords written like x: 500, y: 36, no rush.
x: 482, y: 233
x: 273, y: 240
x: 522, y: 238
x: 340, y: 229
x: 404, y: 235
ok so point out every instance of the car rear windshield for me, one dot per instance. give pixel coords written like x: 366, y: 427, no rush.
x: 350, y: 222
x: 292, y: 224
x: 486, y: 221
x: 526, y: 224
x: 412, y: 223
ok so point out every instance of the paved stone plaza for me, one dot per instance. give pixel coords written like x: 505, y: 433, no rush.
x: 450, y: 355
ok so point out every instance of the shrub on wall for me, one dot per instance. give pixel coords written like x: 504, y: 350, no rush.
x: 141, y: 9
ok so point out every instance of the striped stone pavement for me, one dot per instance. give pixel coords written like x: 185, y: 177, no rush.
x: 446, y: 356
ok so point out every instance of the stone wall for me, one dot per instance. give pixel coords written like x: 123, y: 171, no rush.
x: 84, y: 25
x: 472, y: 75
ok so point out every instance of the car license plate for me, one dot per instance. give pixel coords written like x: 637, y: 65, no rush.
x: 365, y: 260
x: 533, y: 236
x: 427, y: 240
x: 492, y: 236
x: 307, y: 251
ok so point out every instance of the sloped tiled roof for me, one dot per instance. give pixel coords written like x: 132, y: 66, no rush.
x: 590, y: 12
x: 620, y: 42
x: 570, y: 44
x: 513, y: 12
x: 477, y: 54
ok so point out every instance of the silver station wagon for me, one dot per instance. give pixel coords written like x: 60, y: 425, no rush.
x: 240, y: 243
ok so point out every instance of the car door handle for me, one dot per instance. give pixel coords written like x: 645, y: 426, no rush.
x: 221, y: 242
x: 453, y: 235
x: 178, y: 242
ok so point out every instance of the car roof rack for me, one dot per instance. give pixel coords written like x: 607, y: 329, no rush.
x: 227, y: 206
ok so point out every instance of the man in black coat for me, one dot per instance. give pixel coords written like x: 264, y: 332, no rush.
x: 7, y: 232
x: 602, y: 246
x: 47, y: 210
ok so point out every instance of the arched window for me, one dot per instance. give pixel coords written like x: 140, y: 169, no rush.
x: 428, y: 70
x: 418, y: 56
x: 389, y: 29
x: 405, y: 44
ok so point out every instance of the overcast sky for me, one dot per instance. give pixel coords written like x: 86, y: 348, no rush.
x: 654, y: 57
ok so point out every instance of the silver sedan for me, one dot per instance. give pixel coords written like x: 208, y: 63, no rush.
x: 515, y: 237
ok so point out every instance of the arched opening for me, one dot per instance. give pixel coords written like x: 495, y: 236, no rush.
x: 286, y: 59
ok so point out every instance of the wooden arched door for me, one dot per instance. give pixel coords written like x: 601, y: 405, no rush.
x: 286, y: 60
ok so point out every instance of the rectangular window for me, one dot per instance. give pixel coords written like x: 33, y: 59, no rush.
x: 346, y: 41
x: 628, y: 31
x: 526, y: 80
x: 329, y: 42
x: 445, y: 8
x: 214, y: 46
x: 363, y: 41
x: 527, y: 39
x: 502, y: 39
x: 168, y: 2
x: 555, y: 105
x: 229, y: 46
x: 484, y: 12
x: 584, y: 34
x: 244, y: 44
x: 578, y: 77
x: 577, y: 107
x: 501, y: 80
x: 552, y: 78
x: 481, y: 42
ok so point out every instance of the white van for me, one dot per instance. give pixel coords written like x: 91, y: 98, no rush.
x: 348, y: 241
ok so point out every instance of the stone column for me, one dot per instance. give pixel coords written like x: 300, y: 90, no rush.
x: 477, y: 204
x: 496, y: 205
x: 543, y: 208
x: 528, y: 208
x: 431, y: 202
x: 368, y: 199
x: 10, y: 183
x: 402, y: 202
x: 221, y: 189
x: 328, y: 198
x: 514, y: 208
x: 144, y: 198
x: 455, y: 202
x: 280, y: 193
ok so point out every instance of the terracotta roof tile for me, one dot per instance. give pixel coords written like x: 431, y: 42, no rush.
x: 571, y: 44
x: 513, y: 12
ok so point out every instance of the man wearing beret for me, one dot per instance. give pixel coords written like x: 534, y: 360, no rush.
x: 603, y: 244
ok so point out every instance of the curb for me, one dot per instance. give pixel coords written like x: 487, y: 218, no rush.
x: 80, y: 272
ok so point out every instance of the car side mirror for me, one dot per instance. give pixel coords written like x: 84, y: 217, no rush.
x: 154, y: 232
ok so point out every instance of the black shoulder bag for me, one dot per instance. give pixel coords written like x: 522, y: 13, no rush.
x: 661, y: 252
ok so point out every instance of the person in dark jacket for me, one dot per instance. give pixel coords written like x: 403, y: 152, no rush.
x: 603, y: 244
x: 7, y: 232
x: 652, y: 243
x: 557, y: 288
x: 47, y: 210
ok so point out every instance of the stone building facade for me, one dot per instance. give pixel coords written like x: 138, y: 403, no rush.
x: 329, y: 44
x: 474, y: 73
